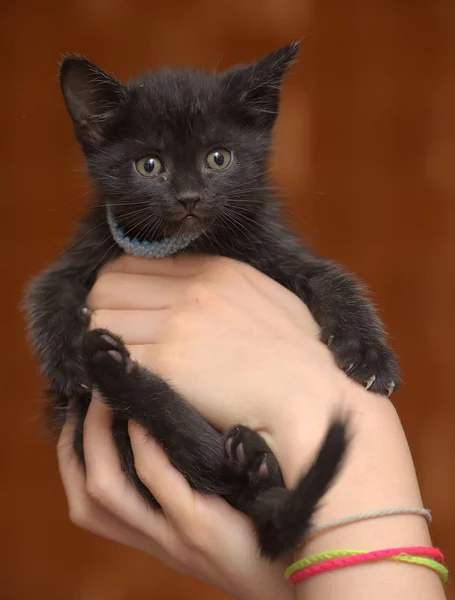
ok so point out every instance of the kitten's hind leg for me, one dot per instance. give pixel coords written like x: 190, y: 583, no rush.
x: 281, y: 516
x: 135, y: 393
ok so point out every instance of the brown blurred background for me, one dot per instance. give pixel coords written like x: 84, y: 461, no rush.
x: 365, y: 151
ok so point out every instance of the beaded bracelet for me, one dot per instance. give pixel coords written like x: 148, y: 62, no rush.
x: 424, y: 556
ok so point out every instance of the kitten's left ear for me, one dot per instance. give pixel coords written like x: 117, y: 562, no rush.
x: 255, y: 89
x: 94, y: 99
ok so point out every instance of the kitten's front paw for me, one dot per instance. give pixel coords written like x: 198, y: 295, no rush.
x: 105, y: 354
x: 61, y: 360
x: 365, y: 359
x: 69, y: 380
x: 246, y: 453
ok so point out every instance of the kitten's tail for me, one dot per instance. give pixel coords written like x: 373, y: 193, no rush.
x: 283, y: 517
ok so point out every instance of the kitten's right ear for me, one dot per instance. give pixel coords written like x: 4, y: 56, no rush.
x: 93, y: 98
x: 255, y: 89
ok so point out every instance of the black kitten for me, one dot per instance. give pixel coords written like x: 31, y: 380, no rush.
x: 182, y: 155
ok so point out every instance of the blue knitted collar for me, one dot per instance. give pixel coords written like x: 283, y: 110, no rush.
x: 156, y: 249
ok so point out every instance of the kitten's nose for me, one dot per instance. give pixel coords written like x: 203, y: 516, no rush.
x: 188, y: 200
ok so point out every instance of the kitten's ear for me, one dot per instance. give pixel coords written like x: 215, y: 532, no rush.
x: 255, y: 89
x: 93, y: 98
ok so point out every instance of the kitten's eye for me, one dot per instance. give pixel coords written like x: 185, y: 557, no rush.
x: 150, y: 166
x: 219, y: 159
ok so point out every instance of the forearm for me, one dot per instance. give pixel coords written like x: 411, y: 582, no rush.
x: 378, y: 474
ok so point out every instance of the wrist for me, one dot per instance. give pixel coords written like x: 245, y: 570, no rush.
x: 311, y: 388
x: 374, y: 429
x: 378, y: 473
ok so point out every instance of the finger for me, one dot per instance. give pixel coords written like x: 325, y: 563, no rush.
x: 200, y: 520
x: 181, y: 265
x: 108, y: 486
x: 165, y: 482
x: 134, y: 326
x: 117, y: 291
x: 85, y: 512
x: 71, y: 471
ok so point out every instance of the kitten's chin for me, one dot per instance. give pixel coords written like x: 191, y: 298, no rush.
x: 189, y: 225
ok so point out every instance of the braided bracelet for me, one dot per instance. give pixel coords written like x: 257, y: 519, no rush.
x: 324, y: 562
x: 388, y: 512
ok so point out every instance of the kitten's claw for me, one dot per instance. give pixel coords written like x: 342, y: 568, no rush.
x: 240, y: 452
x: 370, y: 382
x: 264, y: 469
x: 239, y: 449
x: 115, y: 354
x: 228, y: 448
x: 109, y: 340
x: 247, y: 455
x: 391, y: 389
x: 102, y: 347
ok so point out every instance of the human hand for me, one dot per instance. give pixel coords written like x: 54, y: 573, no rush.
x: 169, y: 315
x: 237, y: 345
x: 194, y: 534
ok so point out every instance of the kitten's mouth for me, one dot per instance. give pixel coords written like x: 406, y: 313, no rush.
x: 190, y: 223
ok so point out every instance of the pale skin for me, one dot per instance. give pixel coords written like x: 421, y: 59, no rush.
x: 243, y: 349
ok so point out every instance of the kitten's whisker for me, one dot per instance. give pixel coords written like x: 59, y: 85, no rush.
x: 127, y: 203
x: 100, y: 177
x: 93, y: 229
x: 78, y: 198
x: 240, y: 221
x: 235, y: 223
x: 136, y: 215
x: 102, y: 241
x: 238, y: 224
x: 148, y: 221
x: 152, y: 228
x: 101, y: 260
x: 244, y: 217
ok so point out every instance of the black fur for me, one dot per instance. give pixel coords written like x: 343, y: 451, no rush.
x: 179, y: 117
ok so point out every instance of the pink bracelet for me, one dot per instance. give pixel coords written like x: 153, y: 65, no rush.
x: 338, y: 560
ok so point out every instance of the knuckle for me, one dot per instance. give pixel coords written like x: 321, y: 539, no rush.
x: 197, y: 533
x: 99, y: 490
x: 182, y: 324
x: 78, y: 516
x: 141, y: 470
x: 197, y: 539
x: 226, y: 269
x: 179, y: 321
x: 182, y: 558
x: 176, y: 328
